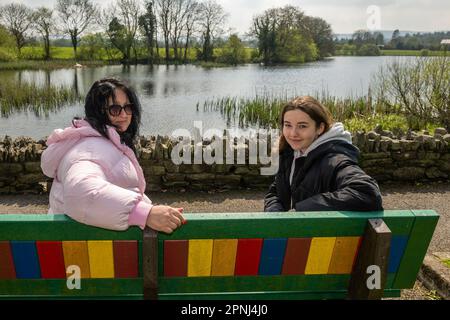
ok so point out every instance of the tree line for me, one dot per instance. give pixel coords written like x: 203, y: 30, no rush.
x: 166, y: 30
x: 365, y: 42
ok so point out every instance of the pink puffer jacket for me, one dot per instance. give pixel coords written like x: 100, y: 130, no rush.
x: 97, y: 181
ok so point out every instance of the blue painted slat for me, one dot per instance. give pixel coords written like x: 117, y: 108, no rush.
x: 398, y: 245
x: 272, y: 256
x: 26, y: 259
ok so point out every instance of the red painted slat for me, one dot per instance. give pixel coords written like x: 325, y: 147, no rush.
x: 51, y: 259
x: 296, y: 256
x: 248, y: 256
x: 175, y: 258
x: 7, y: 270
x: 126, y: 259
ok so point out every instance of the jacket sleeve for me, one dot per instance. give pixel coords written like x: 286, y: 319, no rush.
x: 356, y: 191
x: 90, y: 199
x: 271, y: 201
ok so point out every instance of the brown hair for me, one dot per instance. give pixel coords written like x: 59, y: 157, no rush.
x: 311, y: 107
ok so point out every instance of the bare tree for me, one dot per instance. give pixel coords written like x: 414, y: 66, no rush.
x: 75, y: 17
x: 419, y: 88
x: 212, y: 19
x: 17, y: 19
x: 192, y: 20
x: 122, y: 20
x: 44, y: 24
x: 180, y: 13
x: 164, y: 9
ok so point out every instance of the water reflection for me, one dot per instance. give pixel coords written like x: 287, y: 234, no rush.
x: 170, y: 94
x: 149, y: 87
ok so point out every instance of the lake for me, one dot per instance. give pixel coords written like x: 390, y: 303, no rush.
x: 169, y: 94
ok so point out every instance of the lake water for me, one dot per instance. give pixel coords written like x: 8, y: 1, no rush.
x: 169, y: 94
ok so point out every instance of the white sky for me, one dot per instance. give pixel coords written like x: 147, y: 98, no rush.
x: 345, y: 16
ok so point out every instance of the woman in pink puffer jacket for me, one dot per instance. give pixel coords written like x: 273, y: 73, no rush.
x: 97, y: 179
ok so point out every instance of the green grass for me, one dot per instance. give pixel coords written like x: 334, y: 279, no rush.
x: 45, y: 65
x: 16, y: 95
x: 32, y: 57
x: 356, y: 113
x: 446, y: 262
x: 410, y: 53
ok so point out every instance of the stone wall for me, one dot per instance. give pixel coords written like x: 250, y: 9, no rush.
x: 387, y: 156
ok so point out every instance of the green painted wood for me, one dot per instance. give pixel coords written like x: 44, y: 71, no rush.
x: 57, y: 227
x: 282, y: 295
x: 284, y: 225
x: 209, y: 226
x: 43, y: 297
x: 53, y: 287
x: 219, y: 226
x: 120, y: 287
x: 258, y: 283
x: 416, y: 248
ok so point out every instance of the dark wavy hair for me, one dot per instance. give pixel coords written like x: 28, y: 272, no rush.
x: 96, y: 113
x: 310, y: 106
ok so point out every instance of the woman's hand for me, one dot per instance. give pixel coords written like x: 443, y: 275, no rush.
x: 165, y: 218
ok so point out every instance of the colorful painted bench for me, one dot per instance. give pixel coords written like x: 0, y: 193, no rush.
x: 320, y: 255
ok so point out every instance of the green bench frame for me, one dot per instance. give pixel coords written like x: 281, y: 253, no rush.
x: 375, y: 228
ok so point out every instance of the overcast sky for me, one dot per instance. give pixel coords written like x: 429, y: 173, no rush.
x: 345, y: 16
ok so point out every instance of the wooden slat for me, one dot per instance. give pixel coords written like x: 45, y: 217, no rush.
x: 150, y: 263
x: 313, y: 283
x: 7, y: 270
x: 297, y: 251
x: 344, y: 255
x: 278, y: 295
x: 272, y: 256
x: 248, y: 257
x: 90, y: 288
x: 200, y: 258
x: 286, y: 225
x: 124, y: 288
x: 101, y: 261
x: 419, y: 240
x: 224, y: 257
x: 26, y: 260
x: 398, y: 246
x: 76, y: 254
x: 51, y: 259
x: 176, y: 258
x: 57, y: 227
x: 374, y: 251
x: 210, y: 226
x: 319, y: 256
x: 125, y: 258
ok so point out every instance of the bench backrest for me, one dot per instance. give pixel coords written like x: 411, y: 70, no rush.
x: 218, y: 255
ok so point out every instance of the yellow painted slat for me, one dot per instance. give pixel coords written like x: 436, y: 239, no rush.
x: 224, y: 257
x: 76, y: 254
x: 200, y: 258
x: 101, y: 259
x: 320, y: 254
x: 343, y: 255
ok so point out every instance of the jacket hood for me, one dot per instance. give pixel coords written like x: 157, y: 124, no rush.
x: 335, y: 133
x: 62, y: 140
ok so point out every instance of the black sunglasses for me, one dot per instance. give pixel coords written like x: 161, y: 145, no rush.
x: 115, y: 110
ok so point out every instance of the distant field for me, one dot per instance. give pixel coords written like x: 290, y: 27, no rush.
x: 410, y: 53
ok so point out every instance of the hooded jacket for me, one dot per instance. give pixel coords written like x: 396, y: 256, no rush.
x: 96, y: 181
x: 325, y: 177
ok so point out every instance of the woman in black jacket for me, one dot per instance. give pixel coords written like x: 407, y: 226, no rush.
x: 318, y: 168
